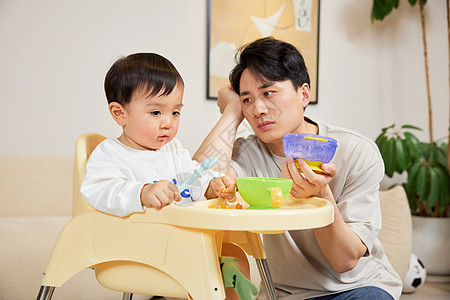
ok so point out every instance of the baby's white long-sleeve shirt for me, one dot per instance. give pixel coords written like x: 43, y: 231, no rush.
x: 115, y: 175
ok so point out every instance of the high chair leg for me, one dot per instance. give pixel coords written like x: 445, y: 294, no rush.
x: 45, y: 292
x: 266, y: 278
x: 127, y: 296
x: 259, y: 254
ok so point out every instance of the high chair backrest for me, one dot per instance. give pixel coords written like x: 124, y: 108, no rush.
x: 84, y: 146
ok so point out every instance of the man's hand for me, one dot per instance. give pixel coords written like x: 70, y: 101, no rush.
x: 311, y: 184
x: 159, y: 194
x: 228, y: 99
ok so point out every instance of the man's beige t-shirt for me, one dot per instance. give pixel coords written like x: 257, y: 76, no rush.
x: 297, y: 264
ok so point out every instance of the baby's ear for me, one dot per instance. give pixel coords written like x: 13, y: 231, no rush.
x: 118, y: 113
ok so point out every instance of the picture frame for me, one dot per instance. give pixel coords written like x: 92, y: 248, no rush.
x: 234, y: 23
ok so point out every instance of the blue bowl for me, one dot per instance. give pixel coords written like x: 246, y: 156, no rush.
x: 310, y: 147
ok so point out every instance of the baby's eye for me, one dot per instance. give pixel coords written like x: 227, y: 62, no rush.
x: 156, y: 113
x: 176, y: 113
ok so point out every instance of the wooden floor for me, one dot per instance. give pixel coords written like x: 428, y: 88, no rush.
x: 435, y: 288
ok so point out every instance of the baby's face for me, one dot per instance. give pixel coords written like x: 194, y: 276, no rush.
x: 152, y: 122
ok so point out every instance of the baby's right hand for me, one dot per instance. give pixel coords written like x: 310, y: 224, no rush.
x: 159, y: 194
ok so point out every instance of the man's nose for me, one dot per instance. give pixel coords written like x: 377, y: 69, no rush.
x: 260, y: 108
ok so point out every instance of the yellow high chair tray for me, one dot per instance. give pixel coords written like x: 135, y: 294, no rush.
x: 295, y: 214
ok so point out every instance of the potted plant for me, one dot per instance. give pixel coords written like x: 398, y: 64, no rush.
x: 428, y: 181
x: 427, y: 165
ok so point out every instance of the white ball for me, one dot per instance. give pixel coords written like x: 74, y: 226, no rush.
x: 415, y: 276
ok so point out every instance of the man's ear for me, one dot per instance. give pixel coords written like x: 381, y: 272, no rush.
x: 118, y: 113
x: 305, y: 94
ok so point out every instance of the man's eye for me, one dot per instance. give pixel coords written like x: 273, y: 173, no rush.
x: 246, y: 100
x: 268, y: 93
x: 156, y: 113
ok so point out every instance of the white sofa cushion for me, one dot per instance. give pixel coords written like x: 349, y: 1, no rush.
x: 396, y: 231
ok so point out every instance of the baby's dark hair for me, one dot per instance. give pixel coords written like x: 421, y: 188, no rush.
x: 140, y: 70
x: 270, y: 59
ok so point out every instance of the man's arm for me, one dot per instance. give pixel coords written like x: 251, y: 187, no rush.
x: 340, y: 245
x: 220, y: 140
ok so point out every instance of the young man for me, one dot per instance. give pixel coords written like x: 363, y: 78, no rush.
x: 270, y: 89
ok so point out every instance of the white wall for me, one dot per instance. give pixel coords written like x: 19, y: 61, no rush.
x: 54, y: 55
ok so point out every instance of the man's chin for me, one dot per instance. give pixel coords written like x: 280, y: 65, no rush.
x: 270, y: 137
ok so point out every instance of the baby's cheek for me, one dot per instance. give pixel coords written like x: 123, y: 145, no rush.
x: 148, y: 133
x: 175, y: 126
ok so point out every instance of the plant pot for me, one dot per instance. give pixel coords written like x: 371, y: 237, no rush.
x: 431, y: 243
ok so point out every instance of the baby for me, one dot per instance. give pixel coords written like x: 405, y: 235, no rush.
x: 142, y: 167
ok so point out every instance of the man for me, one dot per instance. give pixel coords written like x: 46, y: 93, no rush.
x: 270, y: 89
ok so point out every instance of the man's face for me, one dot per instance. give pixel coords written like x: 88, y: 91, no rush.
x: 272, y: 108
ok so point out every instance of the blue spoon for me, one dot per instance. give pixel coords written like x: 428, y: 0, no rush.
x: 206, y: 164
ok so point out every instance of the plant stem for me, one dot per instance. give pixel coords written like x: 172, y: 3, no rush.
x: 448, y: 31
x: 424, y: 40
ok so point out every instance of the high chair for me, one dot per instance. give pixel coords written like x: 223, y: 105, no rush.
x: 132, y: 257
x: 172, y: 252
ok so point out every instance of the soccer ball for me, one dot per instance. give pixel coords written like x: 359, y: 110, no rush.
x: 415, y: 276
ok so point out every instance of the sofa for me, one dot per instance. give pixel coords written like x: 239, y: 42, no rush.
x: 36, y: 202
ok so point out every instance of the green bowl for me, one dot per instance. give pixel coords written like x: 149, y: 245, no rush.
x: 264, y: 193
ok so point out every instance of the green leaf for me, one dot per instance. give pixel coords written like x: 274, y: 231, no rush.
x: 423, y: 183
x: 411, y: 186
x: 380, y: 9
x: 434, y: 154
x: 411, y: 195
x: 392, y: 3
x: 381, y: 143
x: 408, y: 126
x: 412, y: 173
x: 441, y: 157
x: 443, y: 146
x: 389, y: 158
x: 413, y: 2
x: 407, y: 153
x: 400, y: 155
x: 433, y: 196
x: 380, y: 140
x: 444, y: 178
x: 415, y: 146
x: 387, y: 128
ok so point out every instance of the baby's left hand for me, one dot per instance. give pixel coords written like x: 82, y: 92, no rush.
x: 225, y: 188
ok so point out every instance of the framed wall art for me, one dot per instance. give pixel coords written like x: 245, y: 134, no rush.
x: 234, y: 23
